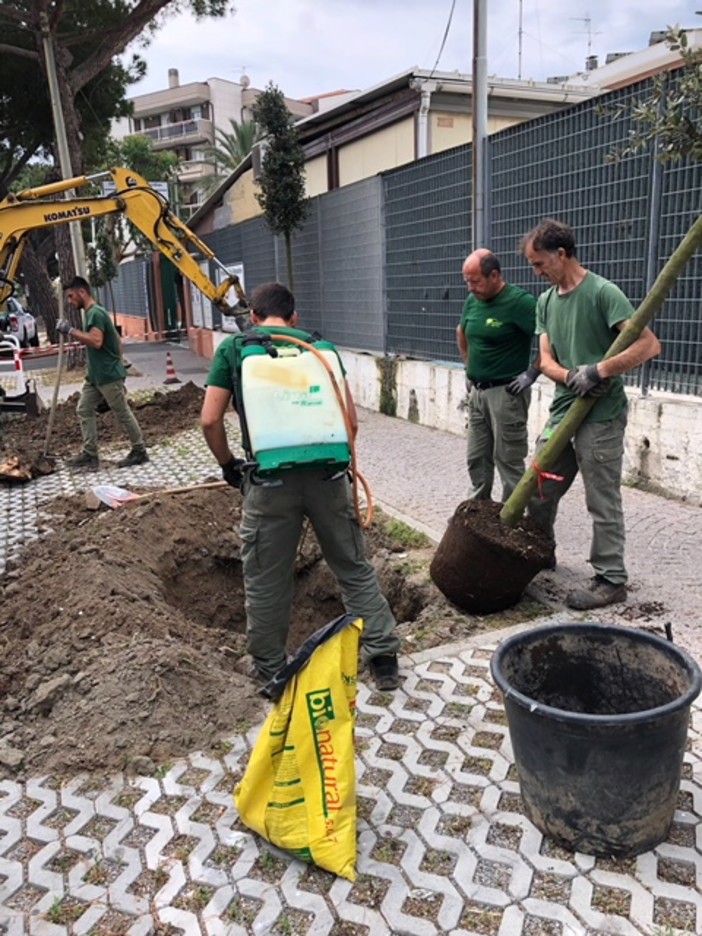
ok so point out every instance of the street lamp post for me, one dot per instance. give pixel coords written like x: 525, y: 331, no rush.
x: 479, y: 113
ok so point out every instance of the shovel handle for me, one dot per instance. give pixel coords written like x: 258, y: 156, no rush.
x: 179, y: 490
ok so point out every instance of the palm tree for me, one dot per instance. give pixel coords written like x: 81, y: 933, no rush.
x: 233, y: 147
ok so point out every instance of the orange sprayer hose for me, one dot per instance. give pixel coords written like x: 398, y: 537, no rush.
x: 364, y: 522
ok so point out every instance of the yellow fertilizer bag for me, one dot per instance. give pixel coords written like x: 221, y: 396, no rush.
x: 299, y: 789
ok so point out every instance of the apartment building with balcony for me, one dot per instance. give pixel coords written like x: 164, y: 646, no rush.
x: 185, y: 118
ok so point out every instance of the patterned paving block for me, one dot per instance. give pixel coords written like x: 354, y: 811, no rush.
x: 443, y: 844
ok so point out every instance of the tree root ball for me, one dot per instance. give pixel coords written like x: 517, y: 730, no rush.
x: 481, y: 564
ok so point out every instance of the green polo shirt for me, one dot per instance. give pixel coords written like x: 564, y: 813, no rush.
x: 499, y: 333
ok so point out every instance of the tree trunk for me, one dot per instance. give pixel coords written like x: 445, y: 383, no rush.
x: 288, y: 257
x: 64, y: 253
x: 514, y: 508
x: 42, y: 298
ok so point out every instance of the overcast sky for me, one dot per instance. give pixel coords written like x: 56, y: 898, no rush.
x: 308, y: 47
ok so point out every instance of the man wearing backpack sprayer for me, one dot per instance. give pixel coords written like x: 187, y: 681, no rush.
x: 274, y: 509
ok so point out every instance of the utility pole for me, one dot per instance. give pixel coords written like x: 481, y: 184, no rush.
x: 63, y: 153
x: 479, y: 107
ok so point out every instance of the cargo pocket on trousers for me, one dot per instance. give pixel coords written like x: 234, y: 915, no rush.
x: 608, y: 451
x: 248, y: 537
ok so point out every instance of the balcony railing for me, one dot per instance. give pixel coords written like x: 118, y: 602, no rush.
x: 180, y: 132
x: 192, y: 169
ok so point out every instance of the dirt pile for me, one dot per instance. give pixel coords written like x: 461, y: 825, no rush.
x: 161, y: 415
x: 123, y: 630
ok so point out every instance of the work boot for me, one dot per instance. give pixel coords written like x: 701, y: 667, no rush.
x: 137, y: 456
x: 246, y: 667
x: 84, y: 460
x: 384, y: 672
x: 598, y: 594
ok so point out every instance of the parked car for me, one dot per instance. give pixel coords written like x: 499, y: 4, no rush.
x: 18, y: 321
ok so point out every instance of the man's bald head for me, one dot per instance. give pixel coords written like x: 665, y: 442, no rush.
x: 482, y: 274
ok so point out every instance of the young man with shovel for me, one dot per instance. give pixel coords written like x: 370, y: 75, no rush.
x: 104, y: 380
x: 577, y: 320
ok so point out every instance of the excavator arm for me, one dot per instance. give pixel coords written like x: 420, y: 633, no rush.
x: 133, y: 199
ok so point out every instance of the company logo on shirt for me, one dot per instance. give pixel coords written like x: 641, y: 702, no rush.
x: 493, y: 323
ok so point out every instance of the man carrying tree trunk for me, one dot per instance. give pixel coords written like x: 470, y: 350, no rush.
x: 577, y: 320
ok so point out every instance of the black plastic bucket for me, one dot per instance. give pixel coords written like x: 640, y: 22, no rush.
x: 598, y: 717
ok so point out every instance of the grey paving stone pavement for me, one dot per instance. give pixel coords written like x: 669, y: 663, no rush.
x: 443, y: 843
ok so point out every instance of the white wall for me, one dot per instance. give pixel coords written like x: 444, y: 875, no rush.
x: 663, y: 438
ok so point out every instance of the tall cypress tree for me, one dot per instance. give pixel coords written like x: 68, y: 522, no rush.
x: 282, y: 181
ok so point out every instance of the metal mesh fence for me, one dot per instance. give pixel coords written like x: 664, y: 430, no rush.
x: 427, y: 233
x: 378, y: 264
x: 128, y: 294
x: 679, y: 367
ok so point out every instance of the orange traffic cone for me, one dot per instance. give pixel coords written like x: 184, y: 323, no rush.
x: 171, y: 376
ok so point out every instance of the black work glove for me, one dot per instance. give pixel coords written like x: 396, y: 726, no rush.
x: 586, y: 381
x: 523, y: 381
x: 232, y: 473
x: 64, y: 328
x: 103, y: 406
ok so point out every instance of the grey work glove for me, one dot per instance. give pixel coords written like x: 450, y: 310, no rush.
x: 64, y: 328
x: 523, y: 381
x: 586, y: 381
x: 232, y: 473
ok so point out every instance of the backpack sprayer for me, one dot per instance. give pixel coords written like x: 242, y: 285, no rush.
x: 312, y: 426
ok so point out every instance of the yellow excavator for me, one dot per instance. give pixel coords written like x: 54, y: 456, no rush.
x: 134, y: 199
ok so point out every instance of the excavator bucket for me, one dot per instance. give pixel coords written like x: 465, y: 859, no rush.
x: 26, y: 403
x: 23, y: 398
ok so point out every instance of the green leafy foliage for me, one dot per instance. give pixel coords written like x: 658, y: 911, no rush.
x: 668, y: 116
x: 282, y: 181
x: 233, y: 146
x: 88, y: 37
x: 137, y: 152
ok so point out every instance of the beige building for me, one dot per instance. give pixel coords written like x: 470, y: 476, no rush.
x: 185, y: 118
x: 412, y: 115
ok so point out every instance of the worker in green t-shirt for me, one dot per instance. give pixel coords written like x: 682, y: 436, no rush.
x: 104, y: 378
x: 274, y: 508
x: 494, y: 340
x: 576, y: 321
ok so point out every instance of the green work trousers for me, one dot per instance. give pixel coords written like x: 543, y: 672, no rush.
x: 497, y: 438
x: 270, y: 530
x: 116, y: 396
x: 597, y: 451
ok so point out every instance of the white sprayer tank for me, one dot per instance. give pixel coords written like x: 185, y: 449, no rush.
x: 309, y: 426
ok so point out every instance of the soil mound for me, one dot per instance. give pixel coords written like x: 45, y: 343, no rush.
x: 123, y: 630
x: 160, y: 416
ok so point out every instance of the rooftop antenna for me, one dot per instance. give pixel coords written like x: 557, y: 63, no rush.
x: 587, y: 20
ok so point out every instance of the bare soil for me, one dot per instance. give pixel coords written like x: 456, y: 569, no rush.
x: 122, y: 631
x: 160, y: 416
